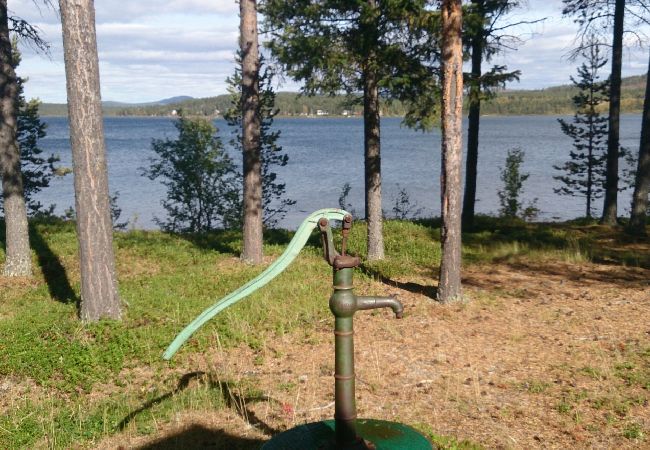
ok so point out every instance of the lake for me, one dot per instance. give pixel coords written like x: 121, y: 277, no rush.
x: 326, y: 153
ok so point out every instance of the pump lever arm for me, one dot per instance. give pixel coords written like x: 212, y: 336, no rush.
x: 297, y: 243
x: 329, y: 252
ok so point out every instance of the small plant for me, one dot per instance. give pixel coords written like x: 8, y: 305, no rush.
x: 535, y: 386
x: 343, y: 199
x: 592, y: 372
x: 513, y: 188
x: 403, y: 209
x: 116, y: 212
x: 633, y: 431
x: 564, y: 407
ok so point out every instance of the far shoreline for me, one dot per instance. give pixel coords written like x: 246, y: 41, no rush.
x: 331, y: 116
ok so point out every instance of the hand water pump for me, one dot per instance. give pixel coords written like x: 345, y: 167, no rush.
x: 346, y: 431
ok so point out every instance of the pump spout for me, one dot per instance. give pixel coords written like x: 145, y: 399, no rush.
x: 381, y: 302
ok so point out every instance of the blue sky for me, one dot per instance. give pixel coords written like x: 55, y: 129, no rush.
x: 153, y: 49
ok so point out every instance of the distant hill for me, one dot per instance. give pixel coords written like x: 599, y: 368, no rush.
x: 111, y: 107
x: 557, y: 100
x: 554, y: 100
x: 172, y: 100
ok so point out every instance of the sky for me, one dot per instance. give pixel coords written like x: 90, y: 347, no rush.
x: 155, y: 49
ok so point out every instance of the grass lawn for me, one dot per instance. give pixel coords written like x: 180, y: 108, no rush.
x: 551, y: 348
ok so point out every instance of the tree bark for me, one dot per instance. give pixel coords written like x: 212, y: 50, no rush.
x: 371, y: 134
x: 372, y: 163
x: 474, y: 119
x: 252, y: 201
x: 449, y: 286
x: 99, y: 293
x: 18, y: 260
x: 639, y: 212
x: 611, y: 180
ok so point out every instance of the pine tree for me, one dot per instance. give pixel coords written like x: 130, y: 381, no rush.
x: 99, y: 292
x: 585, y: 171
x: 18, y: 255
x: 449, y: 284
x: 612, y: 19
x: 37, y: 168
x: 484, y: 37
x: 274, y: 202
x: 375, y: 47
x: 640, y: 199
x: 252, y: 223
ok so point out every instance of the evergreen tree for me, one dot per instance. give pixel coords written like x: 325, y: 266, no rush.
x: 202, y: 188
x: 601, y: 18
x: 449, y: 282
x: 274, y: 202
x: 585, y: 171
x: 483, y: 38
x: 99, y: 293
x: 17, y: 253
x: 640, y: 199
x: 376, y: 47
x: 36, y: 168
x: 252, y: 220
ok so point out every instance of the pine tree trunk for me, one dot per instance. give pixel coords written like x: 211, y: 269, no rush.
x: 99, y: 293
x: 372, y: 162
x: 474, y: 119
x: 449, y: 286
x: 611, y: 180
x: 253, y: 213
x: 18, y: 256
x: 642, y: 179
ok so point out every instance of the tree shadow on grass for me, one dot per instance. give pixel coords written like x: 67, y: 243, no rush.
x: 230, y: 394
x: 415, y: 288
x: 53, y: 270
x: 197, y: 436
x: 230, y: 241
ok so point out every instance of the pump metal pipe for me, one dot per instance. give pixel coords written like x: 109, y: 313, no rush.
x: 343, y: 304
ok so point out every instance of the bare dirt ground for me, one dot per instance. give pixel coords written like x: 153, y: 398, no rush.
x: 540, y: 357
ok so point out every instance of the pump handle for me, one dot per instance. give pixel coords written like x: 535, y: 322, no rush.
x: 293, y: 249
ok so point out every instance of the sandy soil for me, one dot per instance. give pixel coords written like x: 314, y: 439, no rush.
x: 534, y: 360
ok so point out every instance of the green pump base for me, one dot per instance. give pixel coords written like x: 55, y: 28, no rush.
x: 382, y: 435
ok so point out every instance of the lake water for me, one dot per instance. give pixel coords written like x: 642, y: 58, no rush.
x: 326, y: 153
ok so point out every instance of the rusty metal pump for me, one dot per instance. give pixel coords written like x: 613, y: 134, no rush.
x: 346, y: 431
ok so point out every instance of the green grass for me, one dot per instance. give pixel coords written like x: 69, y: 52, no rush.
x: 446, y: 442
x: 167, y: 280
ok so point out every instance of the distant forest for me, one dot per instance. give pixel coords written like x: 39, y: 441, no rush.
x: 550, y: 101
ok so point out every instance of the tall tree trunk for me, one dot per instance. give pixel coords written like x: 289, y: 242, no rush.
x: 642, y: 180
x: 371, y: 134
x: 18, y: 256
x: 372, y: 162
x: 253, y: 213
x: 449, y: 286
x: 611, y: 180
x: 474, y: 116
x: 99, y: 293
x: 590, y: 151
